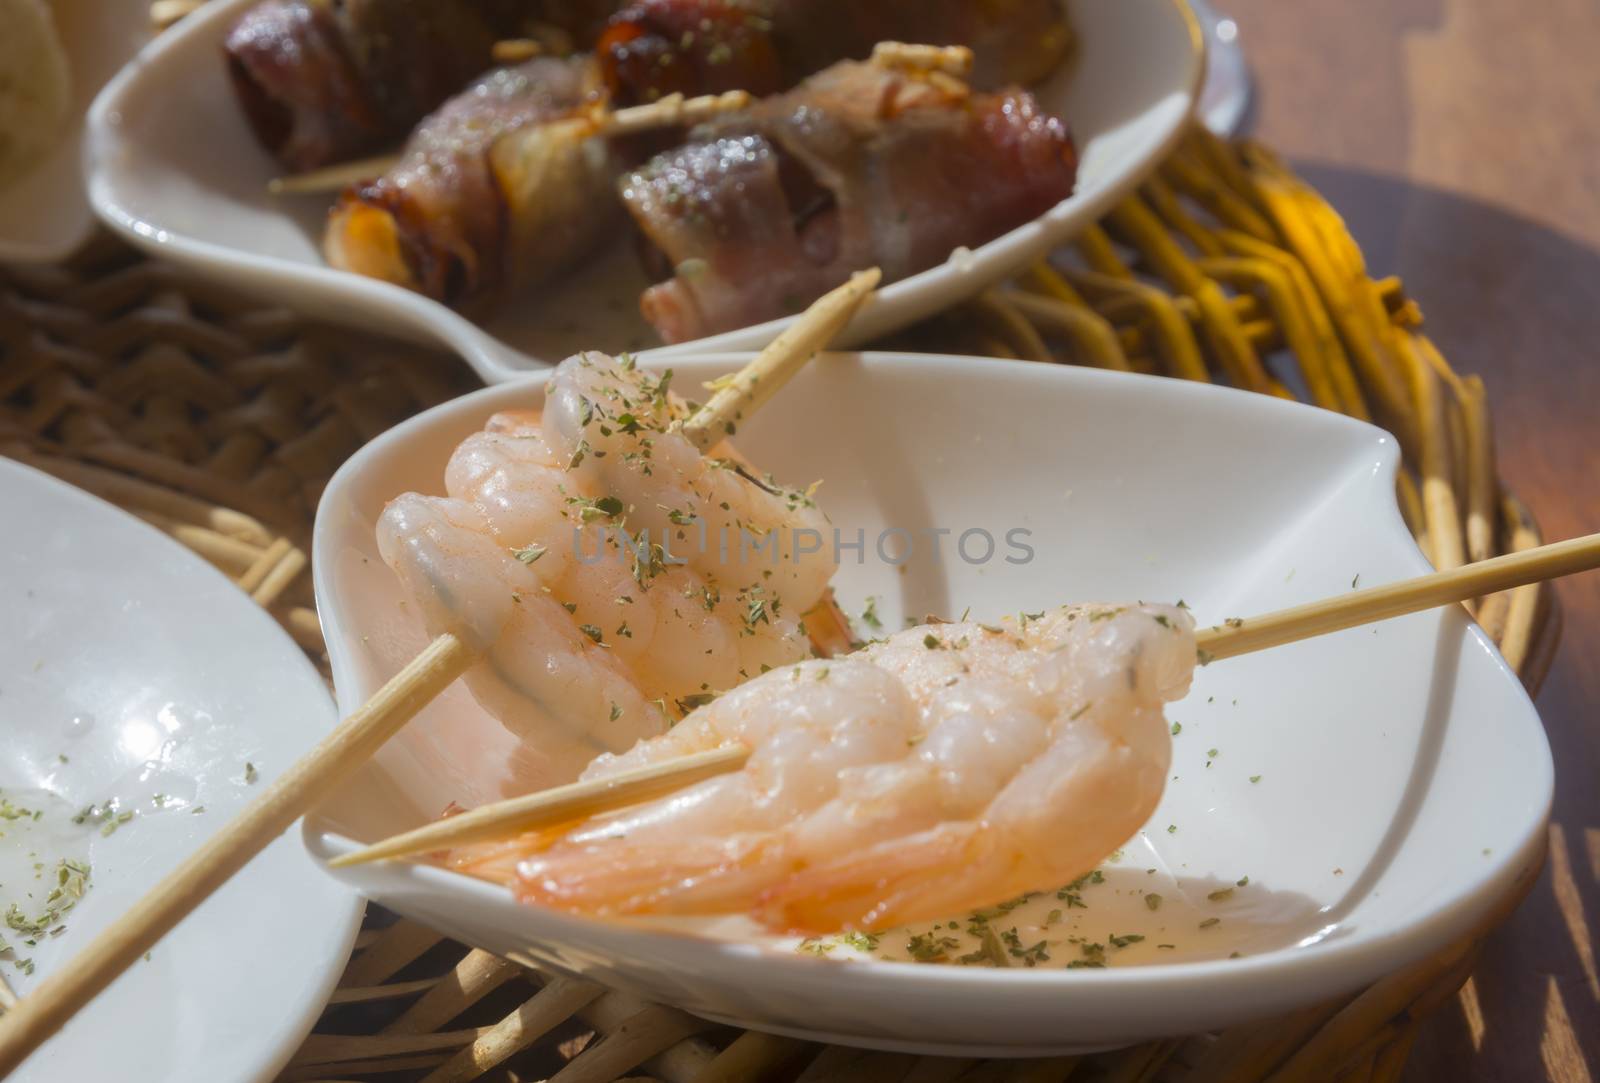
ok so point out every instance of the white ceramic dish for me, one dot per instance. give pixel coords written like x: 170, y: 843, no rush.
x: 174, y: 168
x: 129, y: 668
x: 1225, y: 99
x: 1403, y: 775
x: 44, y: 214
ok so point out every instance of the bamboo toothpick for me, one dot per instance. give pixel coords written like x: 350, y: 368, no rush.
x: 515, y: 50
x: 164, y: 13
x: 25, y: 1027
x: 554, y: 806
x: 668, y: 111
x: 1396, y: 599
x: 332, y: 178
x: 950, y: 59
x: 745, y: 391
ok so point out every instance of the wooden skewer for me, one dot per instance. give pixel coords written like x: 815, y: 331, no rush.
x: 163, y: 13
x: 950, y: 59
x: 670, y: 110
x: 332, y: 178
x: 746, y: 390
x: 43, y: 1012
x: 554, y: 806
x: 505, y: 818
x: 515, y: 50
x: 1396, y: 599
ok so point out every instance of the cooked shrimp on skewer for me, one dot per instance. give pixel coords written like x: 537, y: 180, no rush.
x: 613, y: 576
x: 946, y: 768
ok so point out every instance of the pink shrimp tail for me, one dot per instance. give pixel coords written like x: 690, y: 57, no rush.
x: 612, y: 879
x: 930, y: 875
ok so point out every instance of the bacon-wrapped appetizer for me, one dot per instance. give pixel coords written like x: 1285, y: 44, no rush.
x: 862, y: 164
x: 657, y: 47
x: 508, y: 182
x: 325, y: 82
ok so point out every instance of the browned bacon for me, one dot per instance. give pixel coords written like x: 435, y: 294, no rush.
x: 689, y: 47
x: 656, y: 47
x: 503, y: 185
x: 762, y: 212
x: 322, y: 81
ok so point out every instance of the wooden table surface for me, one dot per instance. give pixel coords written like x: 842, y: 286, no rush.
x: 1461, y: 140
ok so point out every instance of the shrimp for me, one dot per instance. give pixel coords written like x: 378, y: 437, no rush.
x: 946, y: 768
x: 613, y: 576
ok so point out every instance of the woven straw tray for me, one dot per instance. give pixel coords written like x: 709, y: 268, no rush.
x: 219, y: 422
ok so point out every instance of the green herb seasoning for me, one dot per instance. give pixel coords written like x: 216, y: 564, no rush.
x: 860, y: 941
x: 931, y: 947
x: 869, y: 615
x: 989, y: 950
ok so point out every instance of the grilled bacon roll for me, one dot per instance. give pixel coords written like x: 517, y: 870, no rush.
x: 657, y: 47
x: 765, y: 210
x: 323, y: 81
x: 505, y: 184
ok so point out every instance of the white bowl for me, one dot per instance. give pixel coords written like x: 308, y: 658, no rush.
x: 129, y: 667
x: 173, y: 167
x: 1403, y: 776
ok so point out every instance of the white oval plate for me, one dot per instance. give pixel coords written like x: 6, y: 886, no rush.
x: 1403, y: 774
x: 174, y: 168
x: 150, y: 673
x: 44, y: 213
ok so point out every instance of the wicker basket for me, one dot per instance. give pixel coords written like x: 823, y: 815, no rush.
x: 219, y: 422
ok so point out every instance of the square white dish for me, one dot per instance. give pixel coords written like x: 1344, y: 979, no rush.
x: 173, y: 167
x: 1379, y: 787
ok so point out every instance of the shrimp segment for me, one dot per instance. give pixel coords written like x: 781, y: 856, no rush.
x: 612, y: 575
x: 947, y: 768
